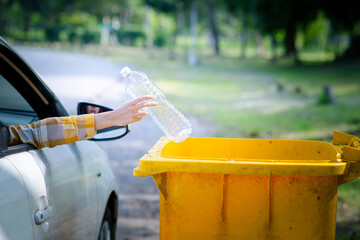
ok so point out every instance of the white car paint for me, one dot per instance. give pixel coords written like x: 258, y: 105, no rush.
x: 15, y: 217
x: 34, y: 182
x: 67, y: 187
x: 66, y: 178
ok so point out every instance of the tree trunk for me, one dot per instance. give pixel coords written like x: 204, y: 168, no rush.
x: 353, y: 52
x: 213, y: 26
x: 172, y: 54
x: 2, y: 24
x: 26, y: 24
x: 290, y: 47
x: 244, y: 39
x: 260, y: 51
x: 180, y: 19
x: 51, y: 25
x: 173, y: 38
x: 180, y: 23
x: 274, y: 45
x: 148, y: 27
x: 192, y: 58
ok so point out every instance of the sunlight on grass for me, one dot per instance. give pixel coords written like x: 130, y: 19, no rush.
x: 317, y: 56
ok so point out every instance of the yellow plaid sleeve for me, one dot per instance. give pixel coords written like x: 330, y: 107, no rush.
x: 51, y: 132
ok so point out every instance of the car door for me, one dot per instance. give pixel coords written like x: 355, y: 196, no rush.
x: 39, y: 209
x: 23, y: 193
x: 71, y: 181
x: 15, y: 218
x: 68, y: 195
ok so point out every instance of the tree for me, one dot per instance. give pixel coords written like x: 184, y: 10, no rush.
x: 50, y: 11
x: 4, y: 4
x: 192, y: 57
x: 168, y: 7
x: 344, y: 17
x: 244, y: 11
x: 29, y: 7
x: 162, y: 5
x: 211, y: 4
x: 286, y: 15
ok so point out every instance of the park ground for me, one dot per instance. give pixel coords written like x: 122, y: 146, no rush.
x: 247, y: 98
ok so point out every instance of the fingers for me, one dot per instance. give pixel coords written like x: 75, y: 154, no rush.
x: 139, y: 114
x: 138, y: 118
x: 145, y: 104
x: 140, y: 99
x: 131, y: 110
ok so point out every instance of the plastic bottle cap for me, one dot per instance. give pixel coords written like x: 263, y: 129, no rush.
x: 125, y: 72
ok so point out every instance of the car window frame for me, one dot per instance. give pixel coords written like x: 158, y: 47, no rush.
x: 29, y: 84
x: 6, y: 150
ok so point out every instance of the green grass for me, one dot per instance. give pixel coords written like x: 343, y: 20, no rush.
x: 240, y: 98
x: 348, y: 211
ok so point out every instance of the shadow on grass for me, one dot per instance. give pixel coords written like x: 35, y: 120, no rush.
x: 348, y: 211
x: 348, y: 230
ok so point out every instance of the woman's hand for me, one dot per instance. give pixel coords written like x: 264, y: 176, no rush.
x: 126, y: 114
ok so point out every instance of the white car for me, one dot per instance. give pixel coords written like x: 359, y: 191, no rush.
x: 66, y: 192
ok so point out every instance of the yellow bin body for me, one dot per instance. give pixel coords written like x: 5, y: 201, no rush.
x: 214, y: 188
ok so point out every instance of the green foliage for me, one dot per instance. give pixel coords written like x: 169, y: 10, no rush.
x: 316, y: 33
x: 162, y: 5
x: 131, y: 37
x: 160, y: 39
x: 80, y: 27
x: 294, y: 26
x: 14, y: 25
x: 324, y: 99
x: 52, y: 33
x: 344, y: 15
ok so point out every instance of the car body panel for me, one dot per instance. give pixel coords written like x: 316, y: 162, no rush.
x: 71, y: 181
x: 14, y: 200
x: 75, y: 180
x: 36, y: 189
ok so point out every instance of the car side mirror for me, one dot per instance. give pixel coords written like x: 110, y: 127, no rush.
x: 106, y: 134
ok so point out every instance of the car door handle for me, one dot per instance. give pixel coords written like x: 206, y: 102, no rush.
x: 42, y: 216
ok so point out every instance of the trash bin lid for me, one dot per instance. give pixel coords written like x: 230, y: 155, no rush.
x: 242, y: 156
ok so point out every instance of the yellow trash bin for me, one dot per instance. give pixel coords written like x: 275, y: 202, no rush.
x: 217, y: 188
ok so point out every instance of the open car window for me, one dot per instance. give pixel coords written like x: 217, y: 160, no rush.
x: 14, y: 109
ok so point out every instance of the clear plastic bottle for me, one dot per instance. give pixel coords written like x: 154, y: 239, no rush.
x: 173, y: 123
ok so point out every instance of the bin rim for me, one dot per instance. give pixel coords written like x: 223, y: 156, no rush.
x: 154, y: 162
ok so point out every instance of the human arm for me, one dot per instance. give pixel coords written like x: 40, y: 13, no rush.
x: 126, y: 114
x: 55, y: 131
x: 51, y: 132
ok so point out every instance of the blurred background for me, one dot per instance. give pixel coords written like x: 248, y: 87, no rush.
x: 239, y: 68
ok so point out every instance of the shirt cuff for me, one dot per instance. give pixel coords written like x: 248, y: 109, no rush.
x: 86, y: 126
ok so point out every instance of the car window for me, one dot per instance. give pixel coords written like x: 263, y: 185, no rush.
x: 14, y: 109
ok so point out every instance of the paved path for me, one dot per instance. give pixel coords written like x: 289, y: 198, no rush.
x: 76, y: 77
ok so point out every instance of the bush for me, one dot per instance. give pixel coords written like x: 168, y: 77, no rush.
x: 91, y: 37
x: 160, y: 39
x: 130, y: 37
x: 80, y: 34
x: 327, y: 96
x: 52, y: 33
